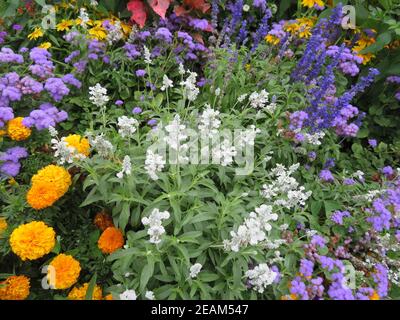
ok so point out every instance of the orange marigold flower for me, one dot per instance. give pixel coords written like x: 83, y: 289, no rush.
x: 110, y: 240
x: 3, y: 225
x: 15, y: 288
x: 32, y: 240
x: 65, y: 273
x: 81, y: 144
x: 48, y: 185
x: 374, y: 296
x: 79, y: 293
x: 108, y: 297
x: 102, y: 221
x: 16, y: 130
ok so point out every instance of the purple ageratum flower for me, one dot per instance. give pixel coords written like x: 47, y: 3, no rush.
x: 387, y: 171
x: 14, y: 154
x: 72, y: 56
x: 326, y: 176
x: 17, y: 27
x: 381, y: 217
x: 80, y: 66
x: 6, y: 114
x: 30, y: 85
x: 163, y: 34
x: 56, y: 88
x: 337, y: 216
x: 278, y: 276
x: 393, y: 79
x: 140, y: 73
x: 47, y: 115
x: 317, y: 240
x: 306, y: 267
x: 42, y: 66
x: 312, y: 155
x: 71, y: 80
x: 372, y: 142
x: 298, y: 287
x: 200, y: 24
x: 329, y: 163
x: 106, y: 59
x: 299, y: 137
x: 3, y: 35
x: 9, y: 168
x: 152, y: 122
x: 349, y: 182
x: 297, y: 119
x: 119, y: 102
x: 137, y: 110
x: 381, y: 279
x: 7, y: 55
x: 338, y: 290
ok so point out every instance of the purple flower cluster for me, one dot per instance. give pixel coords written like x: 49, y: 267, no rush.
x: 337, y: 216
x: 326, y: 175
x: 348, y: 61
x: 7, y: 55
x: 10, y: 161
x: 46, y: 116
x: 56, y: 88
x: 42, y: 66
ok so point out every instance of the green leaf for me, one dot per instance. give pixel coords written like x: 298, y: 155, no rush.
x: 146, y: 274
x: 91, y: 287
x: 381, y: 40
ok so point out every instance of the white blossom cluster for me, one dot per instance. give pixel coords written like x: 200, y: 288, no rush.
x: 254, y: 229
x: 248, y: 136
x: 167, y: 83
x: 147, y: 55
x: 224, y: 153
x: 284, y: 190
x: 128, y: 295
x: 209, y: 122
x: 127, y: 126
x: 63, y: 151
x: 103, y: 147
x: 261, y: 277
x: 126, y: 167
x: 154, y: 163
x: 115, y: 33
x: 98, y: 95
x: 83, y: 17
x: 175, y: 137
x: 154, y: 221
x: 195, y: 269
x: 314, y: 139
x: 190, y: 88
x: 259, y: 100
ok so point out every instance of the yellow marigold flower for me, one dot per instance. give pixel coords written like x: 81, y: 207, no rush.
x: 98, y: 32
x: 64, y: 25
x: 45, y: 45
x: 312, y: 3
x: 48, y: 185
x: 15, y: 288
x: 81, y: 144
x: 65, y: 273
x: 80, y: 293
x: 32, y: 240
x: 37, y: 33
x: 374, y: 296
x: 110, y: 240
x: 272, y: 39
x: 102, y: 220
x: 16, y: 130
x: 108, y: 297
x: 3, y: 225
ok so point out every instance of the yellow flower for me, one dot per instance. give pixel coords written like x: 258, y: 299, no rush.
x: 272, y: 39
x: 374, y: 296
x: 12, y: 182
x: 108, y: 297
x: 292, y: 27
x: 110, y: 240
x: 79, y: 143
x: 45, y: 45
x: 247, y: 67
x: 3, y: 133
x: 312, y: 3
x: 37, y: 33
x: 16, y: 130
x: 80, y: 293
x: 64, y: 25
x: 3, y: 225
x: 98, y: 32
x: 32, y: 240
x: 65, y: 273
x: 15, y: 288
x: 48, y: 185
x: 361, y: 44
